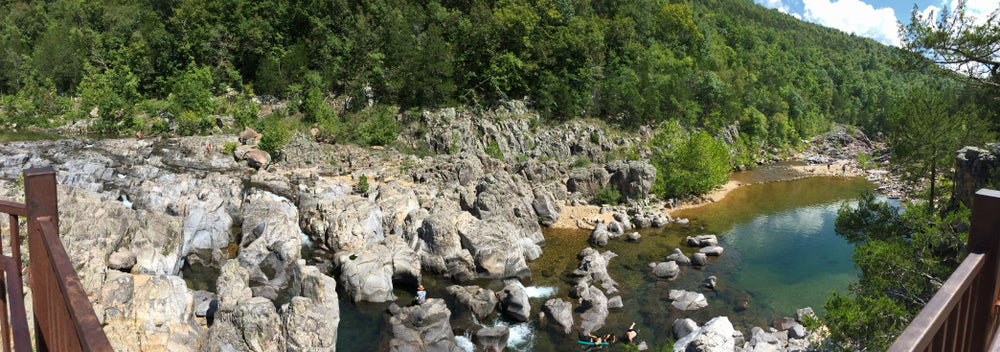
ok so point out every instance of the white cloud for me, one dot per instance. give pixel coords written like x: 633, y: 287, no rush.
x: 978, y: 9
x: 854, y: 16
x: 775, y: 4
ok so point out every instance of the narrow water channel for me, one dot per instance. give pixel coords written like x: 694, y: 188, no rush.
x: 781, y: 254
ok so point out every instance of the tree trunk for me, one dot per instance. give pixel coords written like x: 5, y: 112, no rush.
x: 933, y: 181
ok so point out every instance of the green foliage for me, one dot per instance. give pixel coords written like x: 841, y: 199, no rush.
x: 865, y: 160
x: 958, y: 40
x: 870, y: 219
x: 903, y: 257
x: 380, y: 127
x: 629, y: 63
x: 687, y: 164
x: 581, y: 161
x: 191, y: 123
x: 243, y: 109
x: 927, y: 127
x: 608, y: 195
x: 314, y: 105
x: 869, y: 321
x: 275, y: 132
x: 363, y: 184
x: 192, y: 91
x: 114, y: 92
x: 228, y: 147
x: 493, y: 150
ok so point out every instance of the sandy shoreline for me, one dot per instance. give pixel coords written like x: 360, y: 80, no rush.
x: 584, y: 216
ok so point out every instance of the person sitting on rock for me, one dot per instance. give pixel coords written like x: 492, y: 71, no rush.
x: 421, y: 295
x: 597, y: 340
x: 630, y: 334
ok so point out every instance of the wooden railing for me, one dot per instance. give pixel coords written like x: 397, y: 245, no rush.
x: 64, y: 317
x: 963, y: 314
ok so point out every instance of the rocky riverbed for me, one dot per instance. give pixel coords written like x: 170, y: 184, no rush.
x: 183, y: 248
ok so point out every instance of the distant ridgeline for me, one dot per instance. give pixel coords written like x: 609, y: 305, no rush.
x: 707, y: 63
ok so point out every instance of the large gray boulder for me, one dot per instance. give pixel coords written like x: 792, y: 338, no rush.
x: 368, y: 274
x: 712, y: 250
x: 699, y: 259
x: 424, y: 327
x: 143, y: 313
x: 633, y: 178
x: 667, y: 270
x: 396, y: 201
x: 974, y: 168
x: 763, y: 341
x: 491, y: 339
x: 439, y: 244
x: 208, y: 205
x: 271, y: 240
x: 593, y: 269
x: 257, y: 159
x: 684, y: 326
x: 702, y: 241
x: 587, y: 180
x: 561, y: 312
x: 499, y: 197
x: 243, y: 322
x: 338, y: 221
x: 480, y: 301
x: 498, y: 251
x: 600, y: 235
x: 546, y: 207
x: 594, y: 307
x: 514, y: 301
x: 312, y: 316
x: 717, y: 335
x: 462, y: 169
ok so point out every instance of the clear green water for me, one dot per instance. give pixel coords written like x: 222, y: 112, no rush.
x: 781, y: 254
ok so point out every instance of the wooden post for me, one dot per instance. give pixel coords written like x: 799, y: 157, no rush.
x: 40, y: 199
x: 985, y: 233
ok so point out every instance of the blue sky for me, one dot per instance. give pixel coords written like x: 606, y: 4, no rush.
x: 874, y: 19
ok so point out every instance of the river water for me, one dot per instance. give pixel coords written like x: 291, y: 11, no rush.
x: 781, y: 254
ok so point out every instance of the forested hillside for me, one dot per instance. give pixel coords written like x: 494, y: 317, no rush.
x: 705, y: 63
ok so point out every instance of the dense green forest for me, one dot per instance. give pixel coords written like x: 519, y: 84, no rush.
x: 706, y: 63
x: 687, y: 68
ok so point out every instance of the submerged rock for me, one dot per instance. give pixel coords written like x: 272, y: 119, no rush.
x: 678, y: 257
x: 687, y: 300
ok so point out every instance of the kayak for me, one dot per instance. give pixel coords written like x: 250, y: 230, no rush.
x: 592, y: 343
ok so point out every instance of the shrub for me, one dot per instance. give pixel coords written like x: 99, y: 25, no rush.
x: 191, y: 123
x: 363, y: 184
x: 244, y: 110
x: 694, y: 166
x: 493, y: 150
x: 274, y: 134
x: 229, y: 147
x: 380, y: 128
x: 192, y: 91
x: 608, y: 195
x: 314, y: 105
x: 581, y: 161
